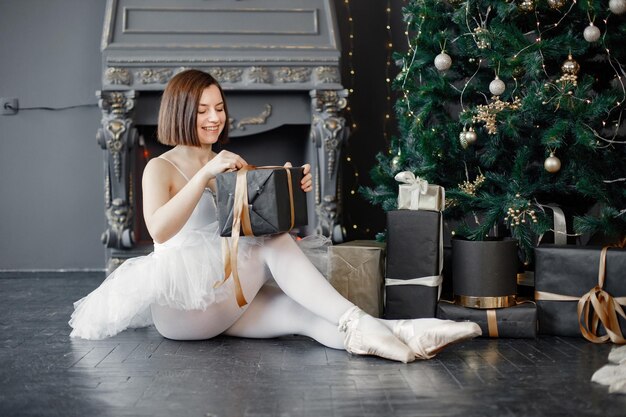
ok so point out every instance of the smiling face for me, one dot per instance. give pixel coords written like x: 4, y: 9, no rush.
x: 211, y: 116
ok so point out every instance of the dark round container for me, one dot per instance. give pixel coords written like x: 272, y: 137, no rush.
x: 484, y: 273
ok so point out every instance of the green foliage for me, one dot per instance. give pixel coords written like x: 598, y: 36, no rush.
x: 580, y: 118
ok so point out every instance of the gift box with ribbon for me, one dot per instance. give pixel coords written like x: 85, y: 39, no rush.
x: 581, y: 290
x: 270, y: 198
x: 414, y: 263
x: 355, y: 270
x: 518, y: 321
x: 416, y: 194
x: 256, y: 201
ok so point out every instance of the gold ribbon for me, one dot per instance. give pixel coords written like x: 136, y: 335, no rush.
x: 596, y: 306
x: 492, y: 323
x: 241, y: 223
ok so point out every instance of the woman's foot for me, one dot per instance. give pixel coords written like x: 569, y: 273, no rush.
x: 367, y: 336
x: 426, y: 337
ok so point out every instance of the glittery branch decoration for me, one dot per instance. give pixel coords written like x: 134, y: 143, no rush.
x: 487, y: 113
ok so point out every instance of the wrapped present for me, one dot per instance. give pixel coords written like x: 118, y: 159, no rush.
x: 414, y: 263
x: 253, y: 202
x: 416, y: 194
x: 355, y: 269
x: 518, y: 321
x: 271, y: 199
x: 581, y: 290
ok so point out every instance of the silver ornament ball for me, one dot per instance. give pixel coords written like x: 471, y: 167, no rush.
x: 497, y: 86
x: 552, y: 164
x: 443, y: 61
x: 470, y: 136
x: 591, y: 33
x: 617, y: 6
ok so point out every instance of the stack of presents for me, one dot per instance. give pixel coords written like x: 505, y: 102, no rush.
x: 574, y: 290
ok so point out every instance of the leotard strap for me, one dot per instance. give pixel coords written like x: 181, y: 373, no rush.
x: 175, y: 166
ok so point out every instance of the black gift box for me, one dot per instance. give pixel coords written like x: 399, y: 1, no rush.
x: 519, y: 321
x: 573, y: 271
x: 268, y: 200
x: 413, y: 251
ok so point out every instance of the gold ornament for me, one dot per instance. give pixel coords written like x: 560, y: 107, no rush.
x: 527, y: 5
x: 570, y: 68
x: 462, y: 138
x: 552, y: 164
x: 556, y: 4
x: 470, y: 187
x: 470, y: 136
x: 481, y: 37
x: 487, y: 113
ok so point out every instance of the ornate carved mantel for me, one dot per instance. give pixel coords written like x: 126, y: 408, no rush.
x: 277, y: 60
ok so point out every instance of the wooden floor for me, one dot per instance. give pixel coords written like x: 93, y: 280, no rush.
x: 138, y: 373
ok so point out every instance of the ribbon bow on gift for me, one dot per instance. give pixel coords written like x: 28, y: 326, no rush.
x: 598, y: 306
x: 417, y: 186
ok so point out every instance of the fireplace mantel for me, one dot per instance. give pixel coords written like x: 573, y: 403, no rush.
x: 277, y: 61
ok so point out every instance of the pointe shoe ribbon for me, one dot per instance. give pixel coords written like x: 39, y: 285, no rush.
x: 366, y: 336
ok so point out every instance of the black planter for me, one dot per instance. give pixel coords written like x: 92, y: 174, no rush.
x: 484, y: 273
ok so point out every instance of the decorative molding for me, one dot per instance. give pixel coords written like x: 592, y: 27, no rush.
x: 154, y: 76
x: 259, y: 75
x: 240, y: 76
x: 117, y: 76
x: 226, y: 75
x: 328, y: 74
x: 255, y: 120
x: 293, y: 74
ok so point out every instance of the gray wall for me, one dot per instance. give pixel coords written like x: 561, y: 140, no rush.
x: 51, y: 181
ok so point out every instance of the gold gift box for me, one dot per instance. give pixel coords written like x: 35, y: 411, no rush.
x: 355, y: 270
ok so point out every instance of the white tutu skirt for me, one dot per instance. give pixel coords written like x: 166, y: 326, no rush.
x: 182, y: 276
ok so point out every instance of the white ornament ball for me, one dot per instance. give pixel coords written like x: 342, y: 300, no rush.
x: 552, y: 164
x: 443, y: 61
x: 591, y: 33
x: 497, y: 86
x: 617, y: 6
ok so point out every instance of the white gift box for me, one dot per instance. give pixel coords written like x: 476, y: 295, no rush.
x: 416, y: 194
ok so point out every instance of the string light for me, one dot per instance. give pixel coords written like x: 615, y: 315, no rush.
x: 350, y: 83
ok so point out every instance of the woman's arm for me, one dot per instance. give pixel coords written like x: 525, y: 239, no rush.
x: 165, y: 209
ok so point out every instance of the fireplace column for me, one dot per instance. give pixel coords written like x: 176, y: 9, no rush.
x: 328, y: 133
x: 118, y: 136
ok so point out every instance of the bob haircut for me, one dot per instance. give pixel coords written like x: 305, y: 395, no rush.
x: 178, y: 113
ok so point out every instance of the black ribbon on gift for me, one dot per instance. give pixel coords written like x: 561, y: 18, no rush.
x: 241, y: 223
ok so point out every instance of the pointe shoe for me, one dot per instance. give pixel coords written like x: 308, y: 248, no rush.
x: 366, y: 336
x: 426, y: 337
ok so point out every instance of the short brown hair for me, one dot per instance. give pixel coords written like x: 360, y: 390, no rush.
x: 178, y: 113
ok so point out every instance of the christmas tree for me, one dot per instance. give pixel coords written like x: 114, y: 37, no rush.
x: 513, y: 105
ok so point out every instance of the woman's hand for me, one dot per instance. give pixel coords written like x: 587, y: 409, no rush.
x: 307, y: 179
x: 223, y: 162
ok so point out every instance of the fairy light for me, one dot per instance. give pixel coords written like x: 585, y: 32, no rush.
x: 353, y: 188
x: 388, y: 78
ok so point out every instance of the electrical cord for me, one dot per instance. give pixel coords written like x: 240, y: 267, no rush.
x: 8, y: 106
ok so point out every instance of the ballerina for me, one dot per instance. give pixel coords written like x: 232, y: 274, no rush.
x: 174, y: 286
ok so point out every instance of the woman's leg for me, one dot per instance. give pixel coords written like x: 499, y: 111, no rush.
x: 273, y: 314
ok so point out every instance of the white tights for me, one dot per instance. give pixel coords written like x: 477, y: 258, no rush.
x: 305, y: 303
